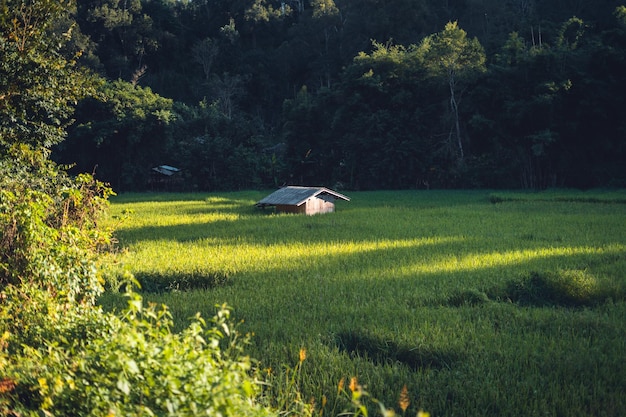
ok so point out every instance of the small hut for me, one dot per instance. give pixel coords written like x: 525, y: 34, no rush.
x: 307, y: 200
x: 165, y: 177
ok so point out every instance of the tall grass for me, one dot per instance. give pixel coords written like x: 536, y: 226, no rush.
x: 480, y: 303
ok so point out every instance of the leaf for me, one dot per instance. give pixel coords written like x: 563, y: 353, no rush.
x: 123, y: 385
x: 132, y: 367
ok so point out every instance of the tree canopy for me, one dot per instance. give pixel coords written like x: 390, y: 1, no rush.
x: 40, y: 81
x: 366, y: 94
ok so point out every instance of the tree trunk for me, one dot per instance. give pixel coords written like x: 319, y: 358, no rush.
x: 455, y: 111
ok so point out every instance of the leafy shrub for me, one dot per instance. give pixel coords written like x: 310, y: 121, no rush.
x: 60, y: 354
x: 132, y: 365
x: 50, y: 234
x: 570, y: 288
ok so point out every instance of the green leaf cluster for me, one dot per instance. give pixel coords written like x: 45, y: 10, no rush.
x: 40, y: 81
x: 91, y: 363
x: 50, y: 232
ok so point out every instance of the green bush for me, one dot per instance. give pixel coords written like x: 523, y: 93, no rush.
x: 49, y: 223
x: 569, y: 288
x: 60, y: 354
x: 101, y: 364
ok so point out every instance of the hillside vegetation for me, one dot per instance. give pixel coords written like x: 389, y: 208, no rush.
x: 364, y: 94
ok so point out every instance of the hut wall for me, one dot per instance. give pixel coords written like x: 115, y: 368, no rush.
x: 312, y: 206
x: 318, y: 206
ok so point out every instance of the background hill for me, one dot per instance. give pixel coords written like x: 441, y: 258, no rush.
x: 250, y: 93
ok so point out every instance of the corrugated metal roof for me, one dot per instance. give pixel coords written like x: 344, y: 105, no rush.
x: 166, y: 170
x: 296, y: 195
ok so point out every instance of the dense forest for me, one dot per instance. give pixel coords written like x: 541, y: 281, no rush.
x: 353, y: 94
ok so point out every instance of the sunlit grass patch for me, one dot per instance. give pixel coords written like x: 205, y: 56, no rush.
x: 477, y: 261
x: 209, y: 262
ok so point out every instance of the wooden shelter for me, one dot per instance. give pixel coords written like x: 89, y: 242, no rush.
x: 307, y: 200
x: 165, y: 177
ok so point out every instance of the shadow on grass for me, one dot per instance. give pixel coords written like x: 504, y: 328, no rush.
x: 382, y: 351
x: 161, y: 282
x: 572, y: 197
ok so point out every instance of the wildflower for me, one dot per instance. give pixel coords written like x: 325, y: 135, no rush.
x: 421, y: 413
x: 342, y: 382
x: 302, y: 355
x: 404, y: 399
x: 354, y: 385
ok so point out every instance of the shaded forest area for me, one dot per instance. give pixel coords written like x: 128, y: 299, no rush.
x: 352, y: 94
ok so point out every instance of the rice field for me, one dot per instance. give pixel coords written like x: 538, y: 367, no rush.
x: 479, y: 302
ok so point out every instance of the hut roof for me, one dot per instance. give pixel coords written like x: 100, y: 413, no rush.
x: 166, y: 170
x: 296, y: 196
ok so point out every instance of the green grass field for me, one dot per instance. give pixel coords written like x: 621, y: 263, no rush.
x: 481, y: 303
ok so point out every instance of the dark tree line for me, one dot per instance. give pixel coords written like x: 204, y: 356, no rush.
x: 361, y: 94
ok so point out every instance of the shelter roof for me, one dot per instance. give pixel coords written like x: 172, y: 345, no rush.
x: 166, y: 170
x: 297, y: 195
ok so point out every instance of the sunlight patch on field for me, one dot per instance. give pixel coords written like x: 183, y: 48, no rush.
x: 177, y: 214
x: 477, y: 261
x: 239, y: 256
x: 402, y: 257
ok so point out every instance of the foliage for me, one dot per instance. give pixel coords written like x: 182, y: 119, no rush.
x: 60, y: 354
x: 93, y: 364
x: 123, y: 34
x: 129, y: 129
x: 50, y: 230
x: 507, y: 97
x: 451, y: 56
x: 406, y: 288
x: 121, y: 134
x: 535, y: 110
x: 388, y: 122
x: 40, y: 81
x: 620, y: 14
x: 218, y: 153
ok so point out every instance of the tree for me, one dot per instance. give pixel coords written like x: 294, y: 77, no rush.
x: 379, y: 121
x: 328, y: 17
x: 620, y: 14
x: 204, y: 53
x: 227, y: 89
x: 449, y: 55
x: 124, y: 134
x: 39, y: 84
x: 123, y: 32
